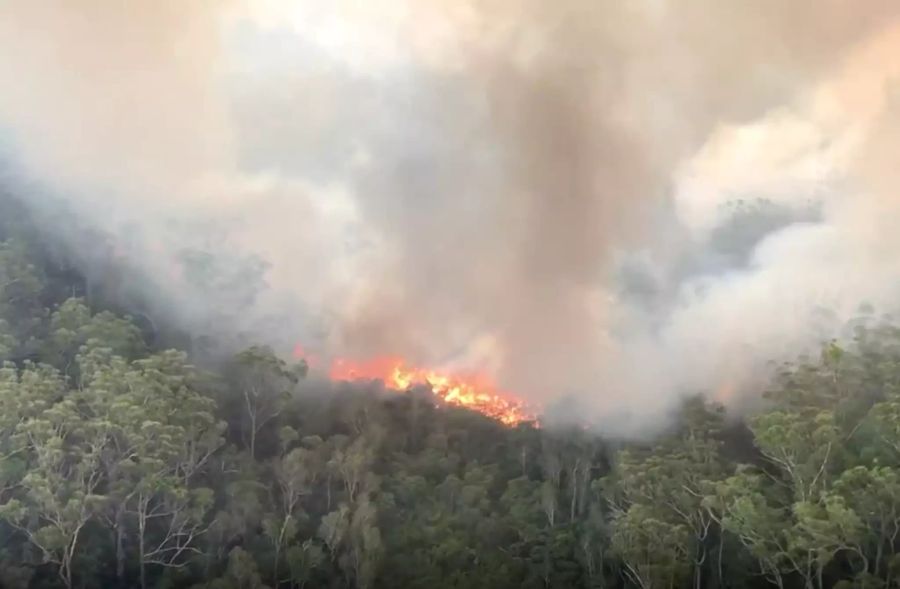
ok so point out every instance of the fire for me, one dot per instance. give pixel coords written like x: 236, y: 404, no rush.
x: 473, y: 392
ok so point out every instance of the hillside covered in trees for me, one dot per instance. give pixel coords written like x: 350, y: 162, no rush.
x: 122, y: 464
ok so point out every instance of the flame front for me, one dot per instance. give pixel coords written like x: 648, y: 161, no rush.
x: 473, y: 392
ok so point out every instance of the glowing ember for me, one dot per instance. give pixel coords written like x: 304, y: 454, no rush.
x: 471, y: 391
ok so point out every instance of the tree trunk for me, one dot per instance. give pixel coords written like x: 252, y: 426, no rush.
x: 600, y: 568
x: 253, y: 437
x: 120, y: 545
x: 719, y: 563
x: 699, y: 561
x: 141, y: 530
x: 278, y: 550
x: 328, y: 492
x: 574, y: 501
x: 65, y: 573
x: 65, y: 564
x: 808, y: 572
x: 28, y: 550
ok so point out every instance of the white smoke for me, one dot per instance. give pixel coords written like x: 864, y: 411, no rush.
x: 543, y: 191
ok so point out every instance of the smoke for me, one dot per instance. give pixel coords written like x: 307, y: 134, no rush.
x: 617, y: 202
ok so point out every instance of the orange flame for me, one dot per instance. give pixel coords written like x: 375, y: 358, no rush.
x: 473, y: 392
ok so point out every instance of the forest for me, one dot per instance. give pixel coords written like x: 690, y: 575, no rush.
x: 127, y: 463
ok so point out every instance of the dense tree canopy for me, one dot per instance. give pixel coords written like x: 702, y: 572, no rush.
x: 124, y: 465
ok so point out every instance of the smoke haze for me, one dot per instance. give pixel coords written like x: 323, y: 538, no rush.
x: 617, y: 202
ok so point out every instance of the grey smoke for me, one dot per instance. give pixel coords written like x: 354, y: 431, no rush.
x: 541, y: 190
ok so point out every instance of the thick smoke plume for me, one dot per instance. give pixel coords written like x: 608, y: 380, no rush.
x: 619, y: 202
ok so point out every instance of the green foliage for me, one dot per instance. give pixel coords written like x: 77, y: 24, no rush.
x: 122, y: 465
x: 21, y: 305
x: 72, y: 326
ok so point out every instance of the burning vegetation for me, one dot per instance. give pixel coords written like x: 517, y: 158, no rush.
x: 472, y: 391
